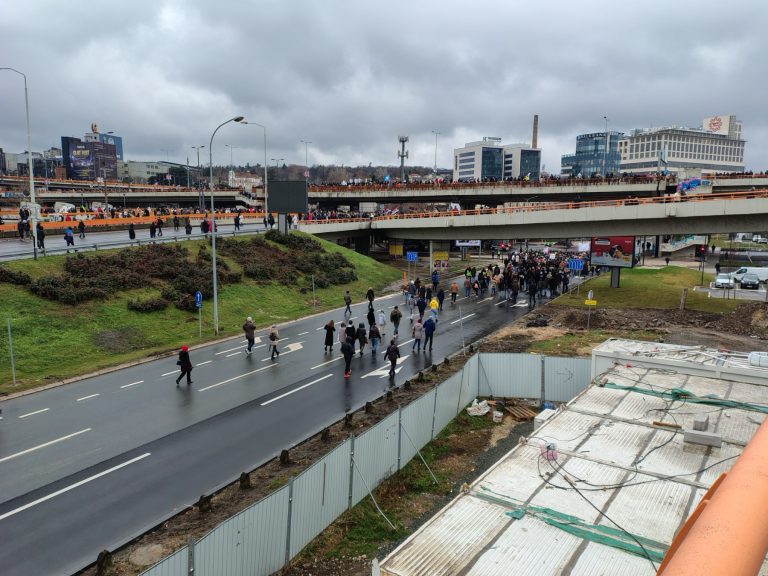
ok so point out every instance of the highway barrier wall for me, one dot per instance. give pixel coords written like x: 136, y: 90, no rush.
x: 264, y: 537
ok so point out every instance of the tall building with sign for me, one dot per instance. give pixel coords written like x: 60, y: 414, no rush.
x: 715, y: 147
x: 88, y: 160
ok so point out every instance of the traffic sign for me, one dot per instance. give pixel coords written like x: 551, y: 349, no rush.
x: 199, y: 299
x: 575, y: 264
x: 411, y: 256
x: 590, y: 302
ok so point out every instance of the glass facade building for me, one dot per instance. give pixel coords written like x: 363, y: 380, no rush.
x: 488, y: 159
x: 591, y: 157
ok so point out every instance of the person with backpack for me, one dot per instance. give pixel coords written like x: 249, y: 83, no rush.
x: 392, y: 354
x: 395, y: 317
x: 417, y: 333
x: 274, y: 337
x: 347, y: 302
x: 329, y: 330
x: 250, y: 334
x: 361, y: 337
x: 347, y: 350
x: 185, y: 365
x: 351, y: 335
x: 375, y: 337
x: 342, y: 332
x: 429, y: 331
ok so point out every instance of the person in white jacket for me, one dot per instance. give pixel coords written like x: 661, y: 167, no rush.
x: 381, y: 322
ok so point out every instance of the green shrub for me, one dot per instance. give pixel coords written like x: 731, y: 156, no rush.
x: 12, y: 277
x: 149, y: 305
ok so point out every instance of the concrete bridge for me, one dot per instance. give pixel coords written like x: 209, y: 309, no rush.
x: 697, y: 214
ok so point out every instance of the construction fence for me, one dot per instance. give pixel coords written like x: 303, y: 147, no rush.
x: 264, y: 537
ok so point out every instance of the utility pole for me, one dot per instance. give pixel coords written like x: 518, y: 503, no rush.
x: 605, y: 151
x: 402, y: 154
x: 435, y: 132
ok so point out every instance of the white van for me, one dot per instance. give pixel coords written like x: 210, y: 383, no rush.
x: 761, y: 273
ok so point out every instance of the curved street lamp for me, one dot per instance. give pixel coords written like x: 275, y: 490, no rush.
x: 213, y: 228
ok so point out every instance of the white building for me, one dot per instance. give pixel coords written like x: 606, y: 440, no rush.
x: 715, y: 147
x: 140, y: 171
x: 488, y: 159
x: 246, y: 182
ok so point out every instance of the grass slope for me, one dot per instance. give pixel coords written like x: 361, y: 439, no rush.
x: 52, y: 341
x: 650, y: 288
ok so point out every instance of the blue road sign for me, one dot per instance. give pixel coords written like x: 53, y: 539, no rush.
x: 575, y: 264
x: 411, y: 256
x: 199, y: 299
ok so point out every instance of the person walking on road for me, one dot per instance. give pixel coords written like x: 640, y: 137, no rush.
x: 429, y: 331
x: 434, y: 305
x: 185, y: 365
x: 440, y: 299
x: 454, y: 292
x: 274, y: 338
x: 237, y: 221
x: 69, y: 237
x: 375, y: 337
x: 421, y: 305
x: 395, y: 317
x: 175, y: 223
x: 342, y: 332
x: 351, y: 335
x: 435, y: 279
x: 370, y: 296
x: 131, y: 232
x: 152, y: 229
x: 392, y: 354
x: 348, y: 350
x: 532, y: 289
x: 347, y: 302
x: 250, y: 334
x: 371, y: 317
x: 40, y: 237
x: 361, y: 337
x: 159, y: 226
x: 382, y: 322
x: 329, y: 330
x: 188, y: 227
x: 81, y: 229
x: 418, y: 334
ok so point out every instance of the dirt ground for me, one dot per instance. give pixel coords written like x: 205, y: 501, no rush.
x: 464, y: 454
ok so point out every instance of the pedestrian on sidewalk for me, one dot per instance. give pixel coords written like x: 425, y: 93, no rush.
x: 375, y: 337
x: 361, y: 337
x: 348, y: 350
x: 392, y: 354
x: 395, y: 317
x: 40, y: 236
x: 370, y: 296
x: 429, y: 331
x: 185, y: 366
x: 418, y: 333
x: 81, y: 229
x: 250, y: 334
x: 69, y: 237
x: 274, y: 338
x: 329, y: 330
x: 348, y: 302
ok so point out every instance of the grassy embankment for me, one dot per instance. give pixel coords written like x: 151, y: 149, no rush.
x: 52, y: 341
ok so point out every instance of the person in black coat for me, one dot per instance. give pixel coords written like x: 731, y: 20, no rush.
x: 351, y: 334
x: 329, y: 330
x: 348, y: 350
x: 185, y: 365
x: 131, y: 231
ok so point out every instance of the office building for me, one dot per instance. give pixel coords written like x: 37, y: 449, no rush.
x: 715, y: 147
x: 591, y: 157
x: 488, y: 159
x: 141, y: 172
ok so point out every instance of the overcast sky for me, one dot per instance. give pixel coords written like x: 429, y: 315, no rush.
x: 350, y: 76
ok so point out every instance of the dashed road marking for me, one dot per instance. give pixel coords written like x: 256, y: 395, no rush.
x: 236, y: 378
x: 296, y: 389
x: 137, y: 382
x: 87, y: 397
x: 56, y: 441
x: 33, y: 413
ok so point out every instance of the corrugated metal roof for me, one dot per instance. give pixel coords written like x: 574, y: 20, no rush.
x: 616, y: 479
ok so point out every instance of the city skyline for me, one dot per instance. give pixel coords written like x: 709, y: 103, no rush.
x: 163, y: 75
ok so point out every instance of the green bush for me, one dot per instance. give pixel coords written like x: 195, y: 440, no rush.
x: 149, y: 305
x: 12, y: 277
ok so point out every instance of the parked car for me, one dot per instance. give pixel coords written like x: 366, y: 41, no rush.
x: 723, y: 280
x: 760, y: 272
x: 750, y: 282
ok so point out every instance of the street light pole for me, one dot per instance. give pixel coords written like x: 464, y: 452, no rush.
x: 213, y: 228
x: 266, y: 207
x: 605, y: 151
x: 198, y: 153
x: 435, y: 132
x: 33, y: 212
x: 306, y: 160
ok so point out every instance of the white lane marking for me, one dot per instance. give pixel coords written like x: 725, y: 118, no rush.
x: 134, y: 383
x: 321, y: 327
x: 73, y: 486
x: 383, y: 372
x: 523, y: 303
x: 169, y: 373
x: 292, y: 347
x: 52, y: 442
x: 406, y: 342
x: 235, y: 378
x: 463, y: 318
x: 324, y: 363
x: 203, y: 363
x: 296, y: 390
x: 233, y: 354
x: 303, y: 333
x: 486, y: 299
x: 225, y: 351
x: 35, y: 412
x: 87, y: 397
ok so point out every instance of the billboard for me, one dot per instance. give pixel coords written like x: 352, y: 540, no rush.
x: 467, y: 243
x: 116, y: 141
x: 718, y: 124
x: 78, y: 158
x: 618, y: 251
x: 287, y: 196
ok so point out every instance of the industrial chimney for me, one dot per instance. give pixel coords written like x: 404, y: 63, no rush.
x: 535, y: 136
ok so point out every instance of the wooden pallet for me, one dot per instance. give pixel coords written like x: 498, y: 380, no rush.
x: 518, y: 412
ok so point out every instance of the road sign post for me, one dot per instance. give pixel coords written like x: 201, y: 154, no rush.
x: 199, y: 306
x: 589, y: 303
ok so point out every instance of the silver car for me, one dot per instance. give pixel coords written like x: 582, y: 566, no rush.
x: 723, y: 281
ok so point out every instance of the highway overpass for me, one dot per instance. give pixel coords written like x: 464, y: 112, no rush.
x: 698, y: 214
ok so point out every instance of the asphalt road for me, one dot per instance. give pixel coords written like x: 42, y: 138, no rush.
x: 15, y: 249
x: 87, y: 466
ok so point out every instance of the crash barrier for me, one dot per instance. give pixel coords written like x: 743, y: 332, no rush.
x: 265, y: 536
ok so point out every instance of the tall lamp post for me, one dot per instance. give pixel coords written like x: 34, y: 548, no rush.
x: 213, y: 228
x: 201, y: 198
x: 266, y: 206
x: 605, y: 151
x: 198, y: 153
x: 306, y: 159
x: 33, y: 212
x: 436, y: 133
